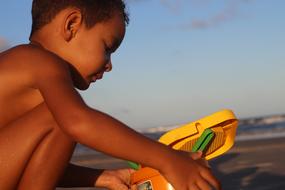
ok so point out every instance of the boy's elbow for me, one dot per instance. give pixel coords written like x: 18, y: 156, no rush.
x: 73, y: 129
x: 76, y: 127
x: 84, y: 122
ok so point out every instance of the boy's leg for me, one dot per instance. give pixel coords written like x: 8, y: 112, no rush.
x: 24, y: 143
x: 48, y: 162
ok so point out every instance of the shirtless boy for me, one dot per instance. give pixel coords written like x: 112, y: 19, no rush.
x: 42, y: 116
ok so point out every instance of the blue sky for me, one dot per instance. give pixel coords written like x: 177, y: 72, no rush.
x: 185, y: 59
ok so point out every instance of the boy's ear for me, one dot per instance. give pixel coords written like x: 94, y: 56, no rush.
x: 72, y: 23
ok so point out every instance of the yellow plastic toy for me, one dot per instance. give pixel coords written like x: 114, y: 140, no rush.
x: 222, y: 123
x: 214, y: 135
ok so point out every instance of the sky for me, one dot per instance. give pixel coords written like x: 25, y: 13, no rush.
x: 184, y: 59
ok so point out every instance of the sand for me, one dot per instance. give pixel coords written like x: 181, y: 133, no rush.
x: 249, y: 165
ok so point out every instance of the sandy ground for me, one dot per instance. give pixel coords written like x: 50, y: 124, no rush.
x: 249, y: 165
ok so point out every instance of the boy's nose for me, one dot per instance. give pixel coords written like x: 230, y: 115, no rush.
x: 108, y: 67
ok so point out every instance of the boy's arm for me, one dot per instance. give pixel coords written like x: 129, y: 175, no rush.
x: 106, y: 134
x: 88, y: 126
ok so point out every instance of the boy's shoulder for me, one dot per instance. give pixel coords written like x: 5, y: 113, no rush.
x: 29, y: 54
x: 33, y: 60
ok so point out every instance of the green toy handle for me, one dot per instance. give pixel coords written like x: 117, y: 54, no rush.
x: 204, y: 140
x: 134, y: 165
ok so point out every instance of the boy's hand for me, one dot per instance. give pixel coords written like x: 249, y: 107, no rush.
x: 115, y: 179
x: 198, y: 157
x: 192, y: 173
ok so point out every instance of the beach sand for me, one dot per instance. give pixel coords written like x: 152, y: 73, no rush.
x: 249, y: 165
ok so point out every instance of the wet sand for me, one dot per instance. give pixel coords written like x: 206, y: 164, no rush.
x: 249, y: 165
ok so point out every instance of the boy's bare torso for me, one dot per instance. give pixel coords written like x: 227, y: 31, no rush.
x: 17, y: 96
x: 28, y: 131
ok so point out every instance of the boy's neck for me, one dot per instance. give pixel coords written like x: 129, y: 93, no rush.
x: 36, y: 43
x: 38, y: 40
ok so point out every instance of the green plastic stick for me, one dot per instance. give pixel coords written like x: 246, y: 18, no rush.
x: 204, y: 140
x: 134, y: 165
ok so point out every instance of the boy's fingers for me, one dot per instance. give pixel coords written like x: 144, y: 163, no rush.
x: 208, y: 176
x: 202, y: 184
x: 194, y: 187
x: 196, y: 155
x: 131, y: 171
x: 207, y: 163
x: 204, y: 163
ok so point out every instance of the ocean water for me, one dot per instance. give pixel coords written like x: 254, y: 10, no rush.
x: 261, y: 131
x: 245, y: 132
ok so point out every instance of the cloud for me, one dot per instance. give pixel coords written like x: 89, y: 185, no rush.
x: 3, y: 44
x: 173, y: 6
x: 229, y: 12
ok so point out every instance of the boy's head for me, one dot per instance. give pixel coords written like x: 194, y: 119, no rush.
x: 83, y: 32
x: 93, y: 11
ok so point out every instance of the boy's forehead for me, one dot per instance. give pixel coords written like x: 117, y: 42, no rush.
x: 115, y: 27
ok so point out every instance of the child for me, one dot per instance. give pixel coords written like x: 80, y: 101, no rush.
x: 42, y: 116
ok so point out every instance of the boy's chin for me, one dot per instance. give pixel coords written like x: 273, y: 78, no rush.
x: 82, y: 86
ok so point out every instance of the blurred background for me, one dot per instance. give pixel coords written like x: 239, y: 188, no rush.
x: 184, y: 59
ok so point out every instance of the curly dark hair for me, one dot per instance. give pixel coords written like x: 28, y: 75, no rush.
x: 93, y: 11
